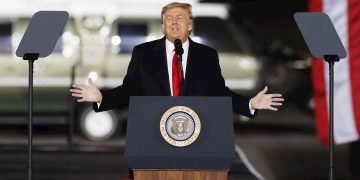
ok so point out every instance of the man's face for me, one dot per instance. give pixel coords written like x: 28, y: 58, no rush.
x: 177, y: 24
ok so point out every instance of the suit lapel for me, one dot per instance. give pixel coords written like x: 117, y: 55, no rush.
x: 191, y: 64
x: 163, y: 70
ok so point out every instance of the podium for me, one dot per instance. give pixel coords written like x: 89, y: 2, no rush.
x: 151, y: 156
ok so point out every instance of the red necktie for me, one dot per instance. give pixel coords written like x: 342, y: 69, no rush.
x: 176, y: 76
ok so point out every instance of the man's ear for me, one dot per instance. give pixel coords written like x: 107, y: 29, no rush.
x: 190, y: 25
x: 163, y: 28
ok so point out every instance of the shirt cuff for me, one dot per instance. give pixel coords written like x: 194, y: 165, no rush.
x: 252, y: 111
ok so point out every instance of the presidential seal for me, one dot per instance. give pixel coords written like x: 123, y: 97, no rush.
x: 180, y: 126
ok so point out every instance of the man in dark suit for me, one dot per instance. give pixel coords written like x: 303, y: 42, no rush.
x: 155, y: 70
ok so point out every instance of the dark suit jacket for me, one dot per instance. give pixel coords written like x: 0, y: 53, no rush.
x: 147, y: 75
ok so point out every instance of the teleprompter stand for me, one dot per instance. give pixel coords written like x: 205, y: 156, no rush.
x: 39, y: 40
x: 324, y: 43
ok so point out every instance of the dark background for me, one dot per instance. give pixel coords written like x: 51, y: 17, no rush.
x: 272, y: 19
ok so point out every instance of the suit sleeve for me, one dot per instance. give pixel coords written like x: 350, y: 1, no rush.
x: 240, y: 103
x: 119, y: 96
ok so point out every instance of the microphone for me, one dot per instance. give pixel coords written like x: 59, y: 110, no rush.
x: 178, y: 47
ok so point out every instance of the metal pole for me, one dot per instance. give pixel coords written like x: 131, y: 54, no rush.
x: 71, y: 110
x: 331, y: 59
x: 30, y: 110
x: 331, y: 132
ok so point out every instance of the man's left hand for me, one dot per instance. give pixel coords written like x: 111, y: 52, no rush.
x: 266, y: 101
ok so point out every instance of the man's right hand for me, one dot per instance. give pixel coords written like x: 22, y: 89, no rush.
x: 86, y: 93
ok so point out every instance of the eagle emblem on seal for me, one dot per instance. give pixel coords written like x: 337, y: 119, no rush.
x: 180, y: 126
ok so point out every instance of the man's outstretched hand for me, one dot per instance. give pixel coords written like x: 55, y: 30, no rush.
x: 86, y: 93
x: 266, y: 101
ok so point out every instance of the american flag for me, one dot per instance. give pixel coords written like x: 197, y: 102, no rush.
x: 345, y: 15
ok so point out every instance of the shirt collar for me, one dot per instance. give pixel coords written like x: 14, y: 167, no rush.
x: 170, y: 45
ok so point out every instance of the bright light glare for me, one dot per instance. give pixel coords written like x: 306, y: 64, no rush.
x: 197, y: 39
x: 247, y: 62
x: 116, y: 40
x: 93, y: 75
x: 150, y: 37
x: 67, y: 52
x: 99, y: 125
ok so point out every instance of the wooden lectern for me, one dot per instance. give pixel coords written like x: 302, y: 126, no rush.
x: 179, y: 174
x: 209, y: 157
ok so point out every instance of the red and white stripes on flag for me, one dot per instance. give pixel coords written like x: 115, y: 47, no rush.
x: 345, y: 15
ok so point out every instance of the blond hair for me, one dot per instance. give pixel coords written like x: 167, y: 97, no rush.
x: 173, y: 5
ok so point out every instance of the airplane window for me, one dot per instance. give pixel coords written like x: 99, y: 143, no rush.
x: 131, y: 35
x: 5, y: 38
